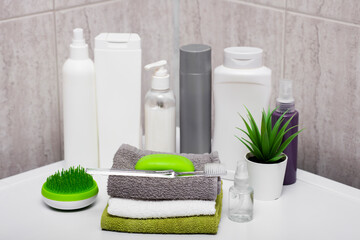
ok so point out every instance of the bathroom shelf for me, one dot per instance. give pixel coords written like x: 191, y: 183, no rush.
x: 313, y: 208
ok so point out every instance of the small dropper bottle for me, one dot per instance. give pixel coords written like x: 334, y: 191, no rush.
x: 241, y: 196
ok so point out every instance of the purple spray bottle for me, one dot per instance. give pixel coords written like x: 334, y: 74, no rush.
x: 286, y: 103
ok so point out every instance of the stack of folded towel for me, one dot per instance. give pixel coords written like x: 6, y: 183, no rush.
x: 161, y: 205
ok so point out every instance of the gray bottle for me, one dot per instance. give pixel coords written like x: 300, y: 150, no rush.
x: 195, y: 98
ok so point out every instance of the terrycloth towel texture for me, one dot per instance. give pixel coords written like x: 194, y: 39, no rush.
x: 146, y: 188
x: 131, y: 208
x: 207, y: 224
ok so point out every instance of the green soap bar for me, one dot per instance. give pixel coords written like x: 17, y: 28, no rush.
x: 160, y: 162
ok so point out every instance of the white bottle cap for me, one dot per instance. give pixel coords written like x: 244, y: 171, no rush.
x: 243, y: 57
x: 78, y: 37
x: 160, y: 79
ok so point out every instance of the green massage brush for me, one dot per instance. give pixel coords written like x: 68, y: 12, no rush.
x: 70, y: 189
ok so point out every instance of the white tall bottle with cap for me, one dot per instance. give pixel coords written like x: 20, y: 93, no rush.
x: 79, y: 106
x: 160, y: 122
x: 242, y: 81
x: 118, y: 89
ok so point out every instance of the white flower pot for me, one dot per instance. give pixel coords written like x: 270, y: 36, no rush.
x: 266, y: 178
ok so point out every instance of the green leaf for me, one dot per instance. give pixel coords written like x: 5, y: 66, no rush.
x: 269, y: 124
x: 248, y: 135
x: 252, y: 134
x: 250, y: 131
x: 281, y: 132
x: 265, y: 140
x: 276, y: 145
x: 275, y: 129
x: 286, y: 143
x: 275, y: 158
x: 250, y: 149
x: 263, y: 123
x: 255, y: 128
x: 256, y: 151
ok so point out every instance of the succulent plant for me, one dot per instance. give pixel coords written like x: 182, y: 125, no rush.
x: 266, y: 143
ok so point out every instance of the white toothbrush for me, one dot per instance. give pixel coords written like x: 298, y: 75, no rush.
x: 210, y: 170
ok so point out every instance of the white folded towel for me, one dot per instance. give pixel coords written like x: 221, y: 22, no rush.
x: 131, y: 208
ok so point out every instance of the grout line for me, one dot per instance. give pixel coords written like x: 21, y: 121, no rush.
x: 24, y: 16
x: 58, y: 83
x: 234, y: 1
x: 307, y: 15
x: 324, y: 18
x: 100, y: 2
x: 281, y: 9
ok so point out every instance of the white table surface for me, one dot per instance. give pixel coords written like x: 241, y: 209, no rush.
x: 312, y: 208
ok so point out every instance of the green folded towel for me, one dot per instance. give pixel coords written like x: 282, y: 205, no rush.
x: 179, y: 225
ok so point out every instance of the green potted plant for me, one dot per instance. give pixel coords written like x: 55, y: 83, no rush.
x: 266, y: 161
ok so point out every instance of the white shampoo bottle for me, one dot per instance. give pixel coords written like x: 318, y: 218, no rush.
x: 79, y: 106
x: 242, y: 81
x: 160, y: 124
x: 118, y: 88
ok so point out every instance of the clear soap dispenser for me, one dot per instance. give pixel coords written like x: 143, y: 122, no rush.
x: 160, y: 121
x: 241, y: 196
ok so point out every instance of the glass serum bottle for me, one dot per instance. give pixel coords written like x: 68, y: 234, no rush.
x: 241, y: 196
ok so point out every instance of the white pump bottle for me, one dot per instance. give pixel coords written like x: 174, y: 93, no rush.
x: 79, y: 106
x: 160, y: 111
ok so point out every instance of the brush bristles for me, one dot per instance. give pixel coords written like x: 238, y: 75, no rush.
x: 214, y: 169
x: 74, y: 180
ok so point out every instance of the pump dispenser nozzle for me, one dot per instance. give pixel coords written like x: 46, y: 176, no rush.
x: 285, y: 101
x: 160, y: 79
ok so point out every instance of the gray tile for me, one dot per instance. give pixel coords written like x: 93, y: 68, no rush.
x: 272, y: 3
x: 322, y: 58
x: 152, y: 20
x: 16, y: 8
x: 29, y: 114
x: 346, y: 10
x: 225, y: 24
x: 71, y: 3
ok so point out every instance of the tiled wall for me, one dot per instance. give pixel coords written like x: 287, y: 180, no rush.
x: 314, y: 42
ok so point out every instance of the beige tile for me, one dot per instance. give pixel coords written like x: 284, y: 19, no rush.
x: 29, y: 114
x: 16, y: 8
x: 323, y: 59
x: 71, y: 3
x: 346, y: 10
x: 272, y: 3
x: 152, y: 20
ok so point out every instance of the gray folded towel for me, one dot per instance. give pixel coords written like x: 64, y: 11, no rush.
x: 147, y: 188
